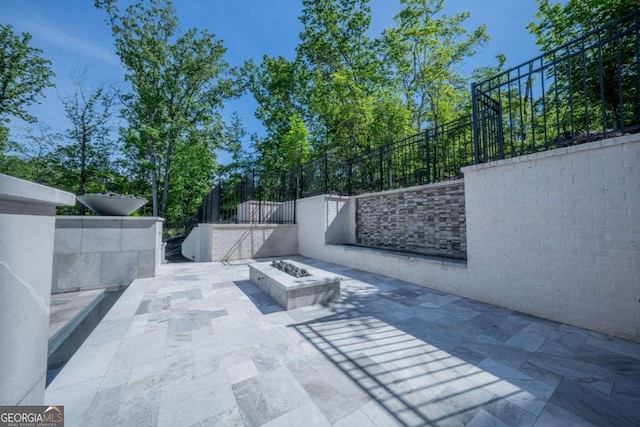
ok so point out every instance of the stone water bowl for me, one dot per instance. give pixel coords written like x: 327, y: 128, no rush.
x: 112, y: 204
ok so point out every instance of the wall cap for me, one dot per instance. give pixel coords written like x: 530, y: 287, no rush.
x: 609, y: 142
x: 22, y: 191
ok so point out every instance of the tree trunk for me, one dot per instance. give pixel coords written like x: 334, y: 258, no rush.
x: 83, y: 171
x: 154, y: 177
x: 167, y: 177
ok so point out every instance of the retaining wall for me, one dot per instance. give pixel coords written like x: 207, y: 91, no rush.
x: 553, y: 234
x: 227, y: 242
x: 99, y: 251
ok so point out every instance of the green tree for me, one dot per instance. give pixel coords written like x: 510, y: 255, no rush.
x: 424, y: 53
x: 24, y: 75
x: 275, y: 85
x: 32, y: 158
x: 341, y: 79
x: 87, y: 156
x: 616, y: 83
x: 178, y: 82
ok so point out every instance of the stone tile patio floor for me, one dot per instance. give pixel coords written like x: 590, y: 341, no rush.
x: 200, y: 345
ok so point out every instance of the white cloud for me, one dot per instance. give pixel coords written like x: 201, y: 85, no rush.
x: 52, y: 34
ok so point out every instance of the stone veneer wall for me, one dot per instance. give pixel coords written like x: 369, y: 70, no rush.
x: 428, y: 219
x: 99, y: 251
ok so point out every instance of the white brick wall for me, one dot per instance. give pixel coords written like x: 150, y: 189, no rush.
x: 563, y: 240
x: 553, y: 234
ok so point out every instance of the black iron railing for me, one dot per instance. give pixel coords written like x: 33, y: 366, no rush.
x: 253, y: 197
x: 585, y: 90
x: 582, y: 91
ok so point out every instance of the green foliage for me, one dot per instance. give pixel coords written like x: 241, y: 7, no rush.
x: 342, y: 79
x: 178, y: 82
x: 86, y: 157
x: 425, y: 50
x: 24, y: 74
x: 558, y: 25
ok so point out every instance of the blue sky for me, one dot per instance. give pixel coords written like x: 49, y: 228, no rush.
x: 72, y: 34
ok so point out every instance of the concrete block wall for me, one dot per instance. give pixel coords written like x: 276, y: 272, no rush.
x: 553, y: 234
x: 93, y: 252
x: 27, y: 222
x: 428, y: 219
x: 227, y: 242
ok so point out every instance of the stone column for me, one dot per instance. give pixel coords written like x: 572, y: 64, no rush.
x: 27, y: 223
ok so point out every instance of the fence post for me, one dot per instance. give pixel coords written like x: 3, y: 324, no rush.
x: 260, y: 203
x: 326, y: 174
x: 381, y: 186
x: 349, y: 174
x: 215, y: 216
x: 428, y: 163
x: 476, y: 130
x: 301, y: 183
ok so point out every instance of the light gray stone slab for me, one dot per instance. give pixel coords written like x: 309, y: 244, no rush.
x: 146, y: 263
x: 553, y: 416
x: 485, y: 419
x: 332, y: 391
x: 140, y: 349
x: 193, y: 401
x: 589, y: 374
x: 138, y: 235
x: 306, y: 415
x: 156, y: 374
x: 92, y: 362
x: 101, y: 235
x: 140, y: 410
x: 118, y: 267
x: 76, y: 399
x: 356, y: 418
x: 78, y: 270
x: 268, y: 396
x: 67, y: 240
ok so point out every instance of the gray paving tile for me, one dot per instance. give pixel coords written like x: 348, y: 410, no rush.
x: 331, y: 390
x: 200, y: 345
x: 594, y: 407
x: 269, y: 396
x: 553, y: 416
x: 103, y: 411
x: 195, y: 400
x: 356, y: 418
x: 590, y: 374
x: 140, y: 410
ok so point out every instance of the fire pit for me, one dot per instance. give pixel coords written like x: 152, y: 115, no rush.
x: 276, y: 280
x: 290, y: 269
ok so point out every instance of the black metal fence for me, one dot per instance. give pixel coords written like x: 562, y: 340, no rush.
x: 585, y: 90
x: 254, y: 197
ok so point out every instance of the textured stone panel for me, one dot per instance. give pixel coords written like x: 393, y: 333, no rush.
x: 146, y: 264
x: 119, y: 267
x: 101, y: 235
x: 428, y: 219
x: 78, y: 270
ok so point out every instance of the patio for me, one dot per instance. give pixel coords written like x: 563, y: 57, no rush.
x: 200, y: 345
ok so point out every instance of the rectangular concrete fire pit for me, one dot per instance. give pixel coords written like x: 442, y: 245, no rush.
x: 292, y: 292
